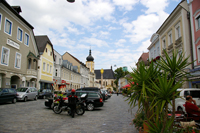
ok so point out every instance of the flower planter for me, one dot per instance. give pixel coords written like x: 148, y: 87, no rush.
x: 146, y: 128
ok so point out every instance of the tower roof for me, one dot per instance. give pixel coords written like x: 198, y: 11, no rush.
x: 90, y: 58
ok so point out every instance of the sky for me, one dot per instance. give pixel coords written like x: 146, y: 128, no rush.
x: 116, y: 31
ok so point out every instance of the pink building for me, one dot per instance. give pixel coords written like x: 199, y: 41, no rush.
x: 194, y: 9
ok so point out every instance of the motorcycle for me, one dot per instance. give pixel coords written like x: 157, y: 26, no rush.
x: 63, y: 105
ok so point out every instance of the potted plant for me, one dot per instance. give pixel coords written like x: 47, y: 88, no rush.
x: 138, y: 120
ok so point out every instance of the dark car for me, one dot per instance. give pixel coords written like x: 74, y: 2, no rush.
x: 94, y: 99
x: 104, y: 94
x: 8, y: 95
x: 90, y: 89
x: 45, y: 93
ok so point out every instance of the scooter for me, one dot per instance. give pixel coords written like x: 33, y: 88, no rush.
x: 63, y: 105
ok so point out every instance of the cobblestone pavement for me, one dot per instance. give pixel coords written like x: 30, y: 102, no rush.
x: 33, y: 117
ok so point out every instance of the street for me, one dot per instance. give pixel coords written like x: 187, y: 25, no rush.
x: 33, y: 117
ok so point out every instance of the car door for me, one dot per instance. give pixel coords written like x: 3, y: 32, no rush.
x: 5, y: 95
x: 29, y: 93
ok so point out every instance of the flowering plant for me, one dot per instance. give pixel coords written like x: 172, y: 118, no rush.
x: 138, y: 120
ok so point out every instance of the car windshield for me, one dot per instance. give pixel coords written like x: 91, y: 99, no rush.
x: 21, y: 89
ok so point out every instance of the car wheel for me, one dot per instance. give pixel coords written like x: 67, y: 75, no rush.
x: 35, y: 98
x: 25, y: 99
x: 14, y: 100
x: 90, y: 106
x: 44, y: 97
x: 180, y: 109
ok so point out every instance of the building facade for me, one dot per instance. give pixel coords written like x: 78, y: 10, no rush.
x: 194, y: 9
x: 174, y: 34
x: 154, y: 48
x: 19, y: 52
x: 46, y: 62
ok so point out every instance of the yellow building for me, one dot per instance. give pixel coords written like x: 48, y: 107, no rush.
x: 46, y: 62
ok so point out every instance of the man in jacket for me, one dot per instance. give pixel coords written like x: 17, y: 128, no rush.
x: 72, y: 99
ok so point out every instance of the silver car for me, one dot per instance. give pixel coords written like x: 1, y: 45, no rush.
x: 27, y: 93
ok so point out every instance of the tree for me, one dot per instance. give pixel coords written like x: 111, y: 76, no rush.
x: 118, y: 74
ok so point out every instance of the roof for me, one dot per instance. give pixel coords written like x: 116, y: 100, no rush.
x: 108, y: 74
x: 41, y: 42
x: 15, y: 10
x: 77, y: 60
x: 144, y: 58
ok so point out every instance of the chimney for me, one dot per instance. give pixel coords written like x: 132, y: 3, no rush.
x: 111, y: 67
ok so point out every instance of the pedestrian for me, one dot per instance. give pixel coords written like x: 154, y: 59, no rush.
x: 117, y: 93
x: 72, y: 99
x: 191, y: 107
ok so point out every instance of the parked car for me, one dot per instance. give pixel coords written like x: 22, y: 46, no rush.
x: 104, y: 95
x: 45, y: 93
x: 27, y: 93
x: 180, y: 101
x: 94, y: 99
x: 89, y: 89
x: 8, y: 95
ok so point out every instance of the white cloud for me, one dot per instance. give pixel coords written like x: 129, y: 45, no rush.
x: 120, y: 43
x: 125, y: 4
x: 154, y: 6
x: 94, y: 42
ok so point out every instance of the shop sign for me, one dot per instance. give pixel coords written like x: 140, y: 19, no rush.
x: 13, y: 44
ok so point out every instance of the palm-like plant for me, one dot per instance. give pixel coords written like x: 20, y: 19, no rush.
x: 163, y: 91
x: 142, y: 78
x: 176, y: 66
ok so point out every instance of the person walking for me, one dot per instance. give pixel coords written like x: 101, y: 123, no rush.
x: 72, y: 102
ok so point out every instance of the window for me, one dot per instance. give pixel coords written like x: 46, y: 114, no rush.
x: 158, y: 49
x: 5, y: 56
x: 164, y: 44
x: 8, y: 27
x: 170, y: 39
x: 18, y: 60
x: 47, y: 67
x: 177, y: 31
x: 50, y: 68
x: 19, y: 34
x: 0, y: 20
x: 56, y: 74
x: 55, y: 57
x: 198, y: 53
x: 26, y: 39
x: 198, y: 22
x: 44, y: 65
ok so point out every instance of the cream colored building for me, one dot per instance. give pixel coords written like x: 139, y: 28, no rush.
x: 18, y: 49
x: 174, y: 34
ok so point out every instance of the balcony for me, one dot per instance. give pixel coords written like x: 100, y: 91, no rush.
x: 178, y: 41
x: 170, y: 46
x: 32, y: 72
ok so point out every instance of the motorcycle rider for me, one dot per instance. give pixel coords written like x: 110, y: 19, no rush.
x: 72, y: 99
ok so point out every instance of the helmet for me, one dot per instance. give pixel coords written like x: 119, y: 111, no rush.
x: 73, y: 91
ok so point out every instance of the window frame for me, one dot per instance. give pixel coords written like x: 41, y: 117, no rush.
x: 170, y: 39
x: 2, y: 56
x: 164, y: 43
x: 26, y: 42
x: 177, y: 32
x: 18, y: 67
x: 44, y: 66
x: 198, y: 53
x: 11, y: 24
x: 18, y: 34
x: 0, y: 20
x: 48, y: 68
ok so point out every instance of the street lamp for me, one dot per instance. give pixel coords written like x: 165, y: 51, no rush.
x: 102, y: 78
x: 71, y: 1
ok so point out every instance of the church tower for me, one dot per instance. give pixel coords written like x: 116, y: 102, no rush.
x: 90, y: 62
